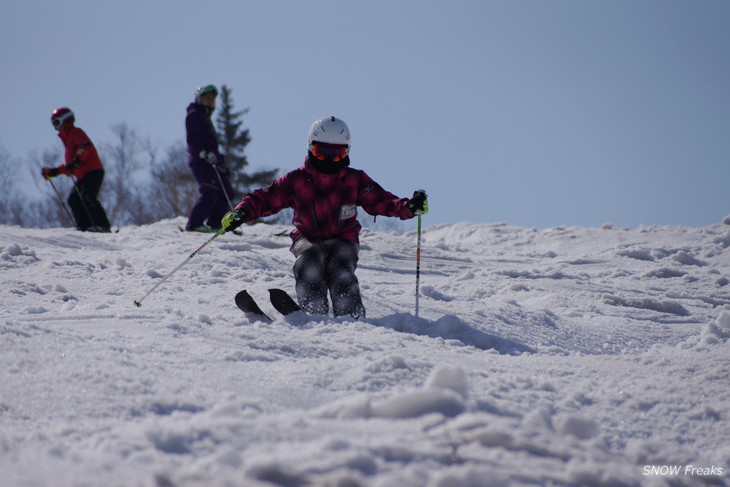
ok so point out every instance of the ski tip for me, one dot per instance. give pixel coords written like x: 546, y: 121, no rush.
x: 283, y: 303
x: 137, y: 303
x: 248, y: 305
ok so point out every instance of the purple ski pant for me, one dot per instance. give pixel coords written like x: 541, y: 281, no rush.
x: 212, y: 204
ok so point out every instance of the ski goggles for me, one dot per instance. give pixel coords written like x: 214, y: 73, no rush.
x: 323, y: 151
x: 58, y: 122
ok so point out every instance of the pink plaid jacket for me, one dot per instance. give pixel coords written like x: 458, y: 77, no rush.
x: 325, y: 205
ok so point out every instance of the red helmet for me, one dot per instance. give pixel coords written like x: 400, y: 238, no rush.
x: 60, y: 116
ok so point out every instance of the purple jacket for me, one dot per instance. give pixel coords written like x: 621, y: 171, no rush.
x: 325, y: 205
x: 200, y: 132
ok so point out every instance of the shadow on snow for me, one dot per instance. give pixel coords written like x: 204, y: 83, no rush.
x: 451, y: 327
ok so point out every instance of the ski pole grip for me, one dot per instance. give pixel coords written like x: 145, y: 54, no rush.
x: 415, y: 204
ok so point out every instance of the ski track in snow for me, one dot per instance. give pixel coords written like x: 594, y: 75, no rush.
x: 568, y: 356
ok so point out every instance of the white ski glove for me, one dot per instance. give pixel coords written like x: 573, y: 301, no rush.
x: 209, y: 157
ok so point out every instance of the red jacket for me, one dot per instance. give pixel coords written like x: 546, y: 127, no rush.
x: 78, y: 146
x: 324, y: 204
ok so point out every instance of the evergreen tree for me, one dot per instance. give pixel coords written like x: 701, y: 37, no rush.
x: 233, y: 139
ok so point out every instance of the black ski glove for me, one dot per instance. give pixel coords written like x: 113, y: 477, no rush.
x: 233, y: 219
x: 50, y: 172
x: 418, y: 204
x: 69, y: 168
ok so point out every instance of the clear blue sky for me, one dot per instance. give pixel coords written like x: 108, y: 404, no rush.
x: 535, y: 113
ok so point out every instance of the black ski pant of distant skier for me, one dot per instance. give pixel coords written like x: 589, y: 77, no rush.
x: 212, y: 202
x: 86, y: 209
x: 324, y: 266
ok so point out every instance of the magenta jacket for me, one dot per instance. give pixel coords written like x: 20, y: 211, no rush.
x: 325, y: 205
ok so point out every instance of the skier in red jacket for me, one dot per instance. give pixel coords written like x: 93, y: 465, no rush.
x: 82, y: 164
x: 325, y: 193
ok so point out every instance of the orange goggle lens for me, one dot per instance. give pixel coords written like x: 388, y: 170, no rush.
x: 323, y: 151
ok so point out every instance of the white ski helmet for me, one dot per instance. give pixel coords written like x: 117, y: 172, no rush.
x: 329, y: 130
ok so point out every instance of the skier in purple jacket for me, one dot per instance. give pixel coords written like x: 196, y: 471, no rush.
x: 325, y: 193
x: 207, y: 164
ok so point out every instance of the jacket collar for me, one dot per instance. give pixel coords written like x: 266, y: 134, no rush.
x: 199, y: 107
x: 65, y: 131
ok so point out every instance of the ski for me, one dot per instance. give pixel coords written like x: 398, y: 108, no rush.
x: 282, y: 302
x: 246, y: 303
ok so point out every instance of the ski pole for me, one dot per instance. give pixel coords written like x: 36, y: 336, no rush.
x: 81, y: 200
x: 61, y: 202
x: 220, y: 232
x: 223, y: 188
x: 418, y: 262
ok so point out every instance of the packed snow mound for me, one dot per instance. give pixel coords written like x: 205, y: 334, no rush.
x: 567, y: 356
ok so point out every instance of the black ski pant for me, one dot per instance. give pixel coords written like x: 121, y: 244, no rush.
x: 324, y: 266
x: 85, y: 206
x: 212, y: 203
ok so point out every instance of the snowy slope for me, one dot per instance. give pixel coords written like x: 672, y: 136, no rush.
x: 569, y: 356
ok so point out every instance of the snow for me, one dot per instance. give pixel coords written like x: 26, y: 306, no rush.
x: 566, y: 356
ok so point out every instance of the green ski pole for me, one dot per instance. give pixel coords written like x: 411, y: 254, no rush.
x: 418, y: 263
x: 220, y: 232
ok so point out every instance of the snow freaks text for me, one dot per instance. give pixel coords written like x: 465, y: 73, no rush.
x: 686, y: 470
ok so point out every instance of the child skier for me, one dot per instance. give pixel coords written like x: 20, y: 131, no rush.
x: 84, y: 165
x: 325, y: 193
